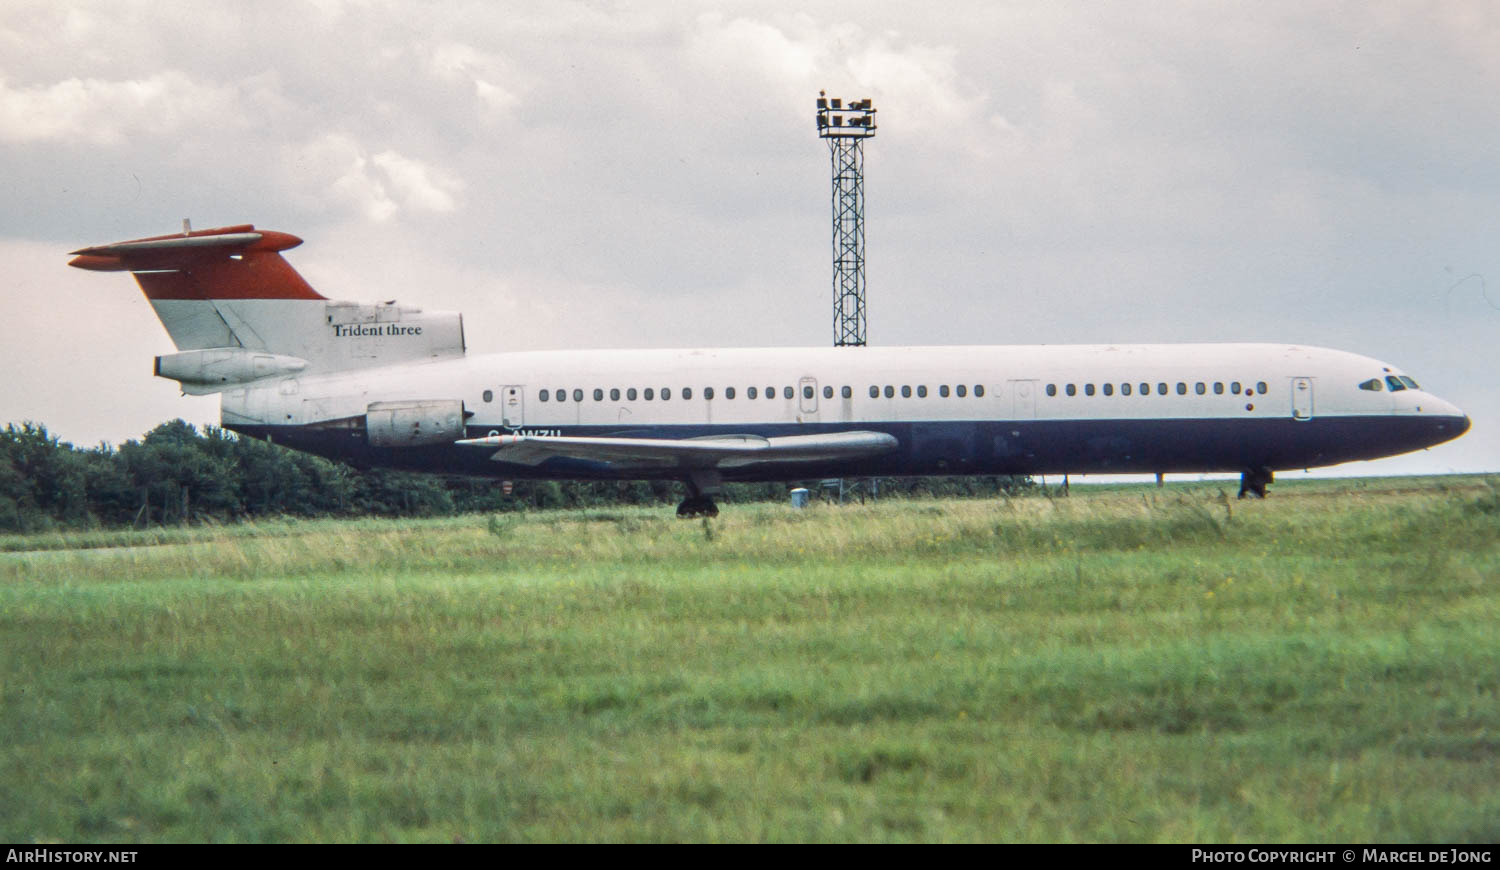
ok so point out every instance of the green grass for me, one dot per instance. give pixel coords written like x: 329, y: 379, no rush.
x: 1123, y: 664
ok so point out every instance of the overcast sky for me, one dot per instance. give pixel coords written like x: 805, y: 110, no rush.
x: 648, y: 174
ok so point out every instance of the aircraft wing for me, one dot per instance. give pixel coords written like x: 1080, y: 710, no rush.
x: 726, y: 451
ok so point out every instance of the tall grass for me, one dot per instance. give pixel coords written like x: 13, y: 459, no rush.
x: 1132, y: 664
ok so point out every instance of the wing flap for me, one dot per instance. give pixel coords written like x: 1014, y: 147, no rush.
x: 722, y: 451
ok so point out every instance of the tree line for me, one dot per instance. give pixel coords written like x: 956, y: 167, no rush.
x: 176, y: 474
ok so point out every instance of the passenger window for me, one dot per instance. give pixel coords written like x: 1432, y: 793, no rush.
x: 828, y: 392
x: 921, y: 391
x: 489, y: 396
x: 1200, y: 388
x: 943, y: 391
x: 598, y: 395
x: 1161, y: 388
x: 729, y: 393
x: 630, y: 394
x: 874, y: 392
x: 890, y: 391
x: 751, y: 393
x: 1052, y: 389
x: 578, y: 395
x: 905, y: 392
x: 786, y: 392
x: 1218, y: 388
x: 979, y: 390
x: 1181, y: 388
x: 614, y: 394
x: 770, y: 392
x: 687, y: 393
x: 1088, y: 389
x: 1125, y: 389
x: 1145, y: 388
x: 708, y: 393
x: 542, y: 395
x: 649, y: 394
x: 1234, y: 387
x: 961, y: 391
x: 1071, y: 390
x: 1373, y: 385
x: 1260, y: 387
x: 807, y: 391
x: 666, y: 394
x: 1109, y: 389
x: 847, y: 393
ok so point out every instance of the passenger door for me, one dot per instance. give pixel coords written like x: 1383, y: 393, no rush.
x: 513, y: 406
x: 1302, y: 398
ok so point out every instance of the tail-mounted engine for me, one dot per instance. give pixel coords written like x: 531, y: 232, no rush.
x: 215, y: 369
x: 414, y: 423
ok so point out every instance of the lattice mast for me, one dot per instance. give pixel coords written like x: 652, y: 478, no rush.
x: 846, y: 127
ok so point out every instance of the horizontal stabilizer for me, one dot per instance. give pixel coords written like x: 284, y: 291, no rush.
x: 238, y: 262
x: 176, y: 243
x: 728, y: 451
x: 166, y: 251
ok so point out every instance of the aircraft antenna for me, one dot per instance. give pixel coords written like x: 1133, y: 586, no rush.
x: 846, y: 127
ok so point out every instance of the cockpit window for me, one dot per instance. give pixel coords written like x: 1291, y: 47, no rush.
x: 1394, y: 383
x: 1410, y: 384
x: 1373, y: 385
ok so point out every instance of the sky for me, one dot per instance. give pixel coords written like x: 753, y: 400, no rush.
x: 589, y: 174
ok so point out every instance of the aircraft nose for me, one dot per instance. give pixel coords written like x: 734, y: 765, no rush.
x: 1452, y: 424
x: 1460, y: 421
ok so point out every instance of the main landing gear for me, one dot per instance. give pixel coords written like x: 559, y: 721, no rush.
x: 702, y: 486
x: 697, y: 506
x: 1254, y: 482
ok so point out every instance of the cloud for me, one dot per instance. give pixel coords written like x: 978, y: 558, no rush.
x: 336, y: 170
x: 415, y: 184
x: 492, y: 79
x: 108, y: 112
x: 797, y: 55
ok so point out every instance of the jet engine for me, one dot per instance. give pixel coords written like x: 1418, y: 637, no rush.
x: 414, y: 423
x: 213, y: 369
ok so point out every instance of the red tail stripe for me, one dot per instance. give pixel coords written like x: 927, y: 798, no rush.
x: 240, y: 269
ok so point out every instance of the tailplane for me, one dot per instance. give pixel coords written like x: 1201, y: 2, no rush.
x: 238, y: 312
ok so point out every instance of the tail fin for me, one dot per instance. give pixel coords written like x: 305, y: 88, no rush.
x: 239, y: 312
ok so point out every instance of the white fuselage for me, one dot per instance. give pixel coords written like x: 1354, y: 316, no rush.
x: 1248, y: 392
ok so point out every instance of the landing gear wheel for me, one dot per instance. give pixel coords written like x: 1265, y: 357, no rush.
x: 702, y: 485
x: 1254, y: 482
x: 697, y: 506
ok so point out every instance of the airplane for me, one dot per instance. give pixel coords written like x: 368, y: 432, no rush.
x: 393, y: 385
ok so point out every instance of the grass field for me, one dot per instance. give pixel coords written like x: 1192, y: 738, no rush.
x: 1124, y: 664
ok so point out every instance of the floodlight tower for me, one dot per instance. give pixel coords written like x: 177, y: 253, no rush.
x: 846, y: 128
